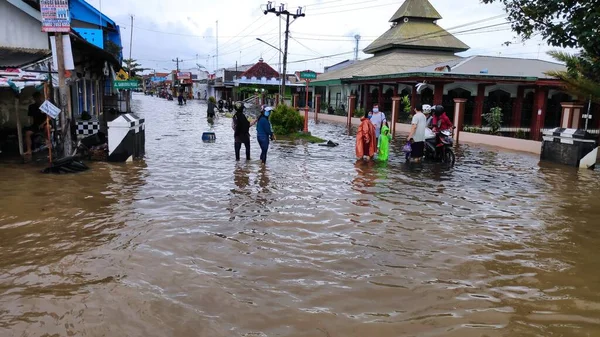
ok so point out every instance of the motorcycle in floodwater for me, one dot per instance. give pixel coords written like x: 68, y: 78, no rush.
x: 438, y: 147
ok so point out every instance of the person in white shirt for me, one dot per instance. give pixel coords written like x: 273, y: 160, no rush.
x: 378, y: 120
x: 417, y: 134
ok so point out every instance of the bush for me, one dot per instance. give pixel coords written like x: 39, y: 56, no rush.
x: 360, y: 112
x: 340, y: 111
x: 494, y: 119
x: 324, y: 106
x: 286, y: 120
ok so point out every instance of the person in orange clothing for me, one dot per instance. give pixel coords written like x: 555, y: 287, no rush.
x: 366, y: 143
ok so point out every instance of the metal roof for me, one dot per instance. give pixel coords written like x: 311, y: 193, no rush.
x: 18, y: 57
x: 416, y: 9
x: 423, y: 35
x: 497, y: 66
x: 391, y: 63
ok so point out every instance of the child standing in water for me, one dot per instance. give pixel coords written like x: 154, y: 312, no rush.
x: 383, y: 146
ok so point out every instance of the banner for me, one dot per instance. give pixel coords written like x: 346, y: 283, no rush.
x: 55, y: 16
x: 184, y: 76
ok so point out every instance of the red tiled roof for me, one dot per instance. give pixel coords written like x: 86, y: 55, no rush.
x: 260, y: 70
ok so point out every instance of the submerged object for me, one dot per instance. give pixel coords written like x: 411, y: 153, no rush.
x: 66, y: 165
x: 329, y: 144
x: 209, y: 137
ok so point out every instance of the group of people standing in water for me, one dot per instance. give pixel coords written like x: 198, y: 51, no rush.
x: 241, y: 128
x: 373, y: 136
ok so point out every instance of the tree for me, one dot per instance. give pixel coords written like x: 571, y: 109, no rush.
x: 131, y: 64
x: 566, y: 24
x: 563, y: 23
x: 582, y: 76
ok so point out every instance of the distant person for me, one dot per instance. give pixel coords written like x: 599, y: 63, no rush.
x: 417, y: 134
x: 383, y: 145
x: 378, y: 119
x: 229, y: 105
x: 366, y: 144
x: 210, y: 111
x: 264, y: 133
x: 241, y: 131
x: 38, y: 122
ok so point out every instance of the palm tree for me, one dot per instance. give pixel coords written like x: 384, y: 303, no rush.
x: 582, y: 77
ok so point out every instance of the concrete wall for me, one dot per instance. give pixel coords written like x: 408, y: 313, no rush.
x: 508, y: 143
x: 20, y: 30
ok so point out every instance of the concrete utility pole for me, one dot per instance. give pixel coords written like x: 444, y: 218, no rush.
x: 128, y: 102
x: 279, y: 12
x: 65, y: 113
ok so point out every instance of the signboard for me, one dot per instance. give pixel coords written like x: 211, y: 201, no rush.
x: 158, y: 79
x: 122, y: 75
x: 586, y: 116
x: 184, y: 76
x: 50, y: 109
x: 55, y: 16
x: 131, y: 84
x: 308, y: 75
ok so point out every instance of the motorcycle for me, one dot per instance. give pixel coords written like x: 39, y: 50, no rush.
x: 438, y: 147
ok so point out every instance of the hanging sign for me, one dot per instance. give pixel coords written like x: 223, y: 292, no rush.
x: 50, y: 109
x: 55, y: 16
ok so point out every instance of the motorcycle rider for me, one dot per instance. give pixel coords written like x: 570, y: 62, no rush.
x: 441, y: 121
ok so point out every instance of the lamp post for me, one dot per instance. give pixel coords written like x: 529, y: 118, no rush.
x: 279, y: 50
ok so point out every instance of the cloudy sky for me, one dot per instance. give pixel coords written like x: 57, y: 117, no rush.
x: 187, y: 29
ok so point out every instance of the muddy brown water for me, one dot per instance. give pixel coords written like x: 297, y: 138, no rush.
x: 191, y: 243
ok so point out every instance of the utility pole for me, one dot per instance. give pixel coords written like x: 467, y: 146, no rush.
x: 357, y: 37
x: 65, y: 113
x: 128, y: 92
x: 177, y: 60
x: 217, y: 45
x: 279, y: 12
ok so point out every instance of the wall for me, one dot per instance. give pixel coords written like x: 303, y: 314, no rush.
x: 19, y: 29
x: 508, y: 143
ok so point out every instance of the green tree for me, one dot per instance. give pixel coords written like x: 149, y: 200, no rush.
x: 286, y: 120
x: 494, y: 119
x: 563, y: 23
x: 582, y: 76
x: 131, y: 64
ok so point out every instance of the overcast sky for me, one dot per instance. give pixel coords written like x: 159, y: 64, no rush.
x: 186, y: 29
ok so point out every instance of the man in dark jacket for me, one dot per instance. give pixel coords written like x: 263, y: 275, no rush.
x: 241, y: 131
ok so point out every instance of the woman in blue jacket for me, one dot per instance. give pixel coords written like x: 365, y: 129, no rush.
x: 264, y: 133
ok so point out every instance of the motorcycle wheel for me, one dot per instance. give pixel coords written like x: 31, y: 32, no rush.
x: 448, y: 157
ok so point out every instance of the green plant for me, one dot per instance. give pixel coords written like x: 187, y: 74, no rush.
x: 360, y: 112
x: 324, y: 106
x: 405, y: 104
x: 286, y: 120
x: 520, y: 134
x: 494, y: 119
x: 339, y: 111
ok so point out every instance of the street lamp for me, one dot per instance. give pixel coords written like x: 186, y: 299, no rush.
x: 279, y: 50
x: 267, y: 43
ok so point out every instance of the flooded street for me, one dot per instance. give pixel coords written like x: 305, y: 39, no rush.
x: 191, y: 243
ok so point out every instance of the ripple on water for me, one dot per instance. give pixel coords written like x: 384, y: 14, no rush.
x: 189, y: 242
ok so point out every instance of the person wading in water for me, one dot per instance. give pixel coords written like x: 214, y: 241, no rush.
x: 241, y: 131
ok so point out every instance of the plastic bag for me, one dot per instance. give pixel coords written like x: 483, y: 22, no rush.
x: 407, y: 148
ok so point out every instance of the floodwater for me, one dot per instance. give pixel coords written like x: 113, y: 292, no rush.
x: 191, y: 243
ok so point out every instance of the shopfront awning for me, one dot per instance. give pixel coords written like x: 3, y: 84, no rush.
x: 18, y: 57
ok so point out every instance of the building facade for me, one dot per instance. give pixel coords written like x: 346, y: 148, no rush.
x: 415, y: 50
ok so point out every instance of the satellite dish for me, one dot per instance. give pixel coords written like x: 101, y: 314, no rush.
x: 421, y: 87
x: 405, y: 20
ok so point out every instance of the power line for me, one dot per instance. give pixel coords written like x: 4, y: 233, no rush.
x: 247, y: 35
x: 356, y: 9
